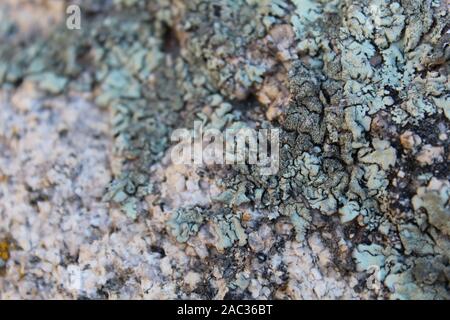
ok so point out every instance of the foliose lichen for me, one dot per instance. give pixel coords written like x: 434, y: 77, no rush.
x: 358, y: 89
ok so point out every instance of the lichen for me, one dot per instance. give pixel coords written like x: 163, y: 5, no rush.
x: 358, y: 92
x: 185, y: 222
x: 227, y: 229
x: 434, y: 198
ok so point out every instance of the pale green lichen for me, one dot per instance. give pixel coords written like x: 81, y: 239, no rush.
x: 227, y: 228
x: 368, y: 256
x: 415, y: 241
x: 185, y: 222
x: 349, y: 211
x: 126, y: 190
x: 435, y: 200
x: 384, y: 154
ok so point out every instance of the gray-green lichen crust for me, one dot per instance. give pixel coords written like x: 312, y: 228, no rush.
x: 359, y: 91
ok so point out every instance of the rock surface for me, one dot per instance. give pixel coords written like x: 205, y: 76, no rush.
x: 93, y: 205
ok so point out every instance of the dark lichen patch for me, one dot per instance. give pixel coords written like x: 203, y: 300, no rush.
x: 205, y: 290
x: 159, y: 250
x: 114, y: 284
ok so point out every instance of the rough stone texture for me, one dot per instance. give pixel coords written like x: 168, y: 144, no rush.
x: 92, y: 206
